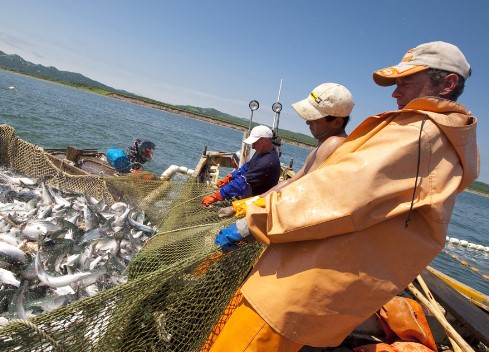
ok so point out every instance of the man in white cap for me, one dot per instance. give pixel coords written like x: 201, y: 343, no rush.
x: 256, y: 176
x: 345, y: 239
x: 327, y: 112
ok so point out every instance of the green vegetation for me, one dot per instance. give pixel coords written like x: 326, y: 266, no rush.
x: 479, y: 187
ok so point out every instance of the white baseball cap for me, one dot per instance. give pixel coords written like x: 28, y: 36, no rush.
x: 439, y: 55
x: 257, y: 133
x: 327, y: 99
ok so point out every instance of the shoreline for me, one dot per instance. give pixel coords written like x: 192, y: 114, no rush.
x: 194, y: 116
x: 476, y: 192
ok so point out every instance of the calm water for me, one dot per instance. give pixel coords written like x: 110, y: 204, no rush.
x: 53, y: 116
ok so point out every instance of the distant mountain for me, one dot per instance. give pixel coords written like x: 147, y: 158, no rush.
x: 17, y: 64
x: 213, y: 112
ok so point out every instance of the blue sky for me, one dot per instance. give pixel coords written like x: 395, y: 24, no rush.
x: 222, y: 54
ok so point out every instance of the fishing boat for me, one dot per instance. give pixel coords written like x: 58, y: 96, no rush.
x: 208, y: 169
x: 76, y: 161
x: 465, y: 318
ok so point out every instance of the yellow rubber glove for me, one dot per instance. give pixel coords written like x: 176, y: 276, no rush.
x: 240, y: 205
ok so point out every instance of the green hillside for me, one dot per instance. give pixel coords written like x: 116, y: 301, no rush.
x: 285, y: 134
x: 17, y: 64
x: 479, y: 187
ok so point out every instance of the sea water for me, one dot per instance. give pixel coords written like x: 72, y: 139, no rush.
x: 55, y: 116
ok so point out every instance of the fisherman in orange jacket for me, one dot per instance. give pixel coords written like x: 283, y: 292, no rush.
x: 346, y: 238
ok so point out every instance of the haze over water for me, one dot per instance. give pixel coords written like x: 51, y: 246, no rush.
x: 54, y: 116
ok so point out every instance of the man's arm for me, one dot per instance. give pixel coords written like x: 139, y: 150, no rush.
x: 313, y: 161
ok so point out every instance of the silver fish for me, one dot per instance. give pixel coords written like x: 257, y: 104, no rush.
x: 56, y: 281
x: 16, y: 306
x: 91, y: 220
x: 25, y: 181
x: 36, y: 228
x: 8, y: 277
x: 47, y: 198
x: 140, y: 226
x: 12, y: 254
x: 121, y: 220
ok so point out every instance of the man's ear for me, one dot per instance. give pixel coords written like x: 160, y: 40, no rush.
x: 449, y: 84
x: 338, y: 122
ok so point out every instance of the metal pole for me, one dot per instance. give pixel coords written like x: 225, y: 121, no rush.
x: 253, y: 105
x: 277, y: 114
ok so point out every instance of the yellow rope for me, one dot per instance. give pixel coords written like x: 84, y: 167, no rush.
x: 467, y: 265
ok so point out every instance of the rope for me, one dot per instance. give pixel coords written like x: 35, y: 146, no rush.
x: 408, y: 218
x: 467, y: 265
x: 188, y: 228
x: 38, y: 330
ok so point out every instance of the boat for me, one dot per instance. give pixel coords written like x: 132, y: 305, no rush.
x: 465, y: 321
x: 470, y: 320
x: 76, y: 161
x: 211, y: 164
x: 208, y: 169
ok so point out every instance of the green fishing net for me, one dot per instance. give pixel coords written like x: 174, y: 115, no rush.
x: 178, y: 284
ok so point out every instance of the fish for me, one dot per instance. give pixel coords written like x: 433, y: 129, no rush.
x: 36, y: 228
x: 12, y: 254
x: 47, y: 198
x: 19, y: 180
x: 8, y: 277
x: 91, y: 220
x: 57, y: 247
x: 56, y: 281
x: 140, y: 226
x: 16, y: 305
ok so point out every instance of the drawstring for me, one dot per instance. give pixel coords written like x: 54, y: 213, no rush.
x: 408, y: 218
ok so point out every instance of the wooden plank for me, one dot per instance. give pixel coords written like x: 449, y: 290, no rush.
x: 472, y: 317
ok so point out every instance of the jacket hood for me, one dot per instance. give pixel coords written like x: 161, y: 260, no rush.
x: 459, y: 126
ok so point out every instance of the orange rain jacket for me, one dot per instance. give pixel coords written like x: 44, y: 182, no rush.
x: 338, y: 246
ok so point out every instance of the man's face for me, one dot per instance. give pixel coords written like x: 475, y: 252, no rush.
x: 259, y: 145
x: 319, y: 128
x: 412, y: 87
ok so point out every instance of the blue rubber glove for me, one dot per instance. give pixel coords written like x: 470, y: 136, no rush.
x: 228, y: 236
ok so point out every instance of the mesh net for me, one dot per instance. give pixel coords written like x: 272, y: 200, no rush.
x: 178, y: 284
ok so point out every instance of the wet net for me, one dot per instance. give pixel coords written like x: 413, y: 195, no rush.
x: 178, y: 284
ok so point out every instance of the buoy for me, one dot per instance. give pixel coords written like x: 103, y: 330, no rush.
x: 471, y: 245
x: 454, y: 240
x: 464, y: 243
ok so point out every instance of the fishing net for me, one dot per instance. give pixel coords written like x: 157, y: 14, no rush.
x: 178, y: 284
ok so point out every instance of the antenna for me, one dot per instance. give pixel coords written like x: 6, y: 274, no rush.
x: 277, y: 107
x: 280, y: 89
